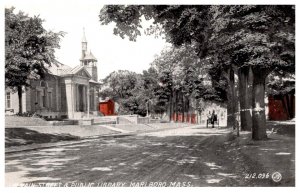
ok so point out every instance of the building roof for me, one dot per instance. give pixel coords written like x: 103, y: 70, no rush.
x: 105, y: 100
x: 75, y: 69
x: 60, y: 69
x: 89, y: 56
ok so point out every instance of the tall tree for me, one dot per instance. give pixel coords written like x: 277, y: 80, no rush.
x: 260, y: 37
x: 257, y: 39
x: 150, y: 81
x: 29, y: 49
x: 165, y: 90
x: 184, y: 66
x: 131, y: 90
x: 120, y: 83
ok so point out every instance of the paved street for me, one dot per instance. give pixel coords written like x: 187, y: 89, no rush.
x: 179, y: 157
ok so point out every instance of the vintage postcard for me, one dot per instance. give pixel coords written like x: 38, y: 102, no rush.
x: 149, y: 95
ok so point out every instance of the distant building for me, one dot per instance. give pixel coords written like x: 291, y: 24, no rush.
x: 281, y: 107
x: 280, y: 99
x: 64, y: 92
x: 107, y: 107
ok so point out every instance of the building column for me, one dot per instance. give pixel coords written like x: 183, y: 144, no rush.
x: 84, y: 97
x: 88, y: 100
x: 76, y: 97
x: 92, y: 99
x: 58, y: 95
x: 96, y: 100
x: 70, y: 100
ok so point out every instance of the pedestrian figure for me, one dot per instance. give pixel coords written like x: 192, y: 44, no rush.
x: 213, y: 118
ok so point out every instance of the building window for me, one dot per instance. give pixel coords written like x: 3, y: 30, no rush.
x: 43, y: 94
x: 8, y: 105
x: 50, y: 100
x: 44, y: 102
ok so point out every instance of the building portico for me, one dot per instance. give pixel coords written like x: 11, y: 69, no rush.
x: 81, y: 98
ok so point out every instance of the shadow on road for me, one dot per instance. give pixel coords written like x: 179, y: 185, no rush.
x: 23, y: 136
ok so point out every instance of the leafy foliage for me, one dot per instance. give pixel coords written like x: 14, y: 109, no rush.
x: 28, y: 48
x: 260, y: 36
x: 180, y: 23
x: 125, y: 87
x: 228, y: 37
x: 281, y: 84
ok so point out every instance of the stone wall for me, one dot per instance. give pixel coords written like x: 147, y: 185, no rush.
x: 143, y: 120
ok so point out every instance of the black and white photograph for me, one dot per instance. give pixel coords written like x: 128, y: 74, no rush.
x: 117, y: 94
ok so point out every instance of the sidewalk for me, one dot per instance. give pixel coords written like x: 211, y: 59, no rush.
x: 86, y: 133
x: 276, y: 154
x: 192, y: 130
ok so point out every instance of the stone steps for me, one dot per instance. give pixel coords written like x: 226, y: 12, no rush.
x: 104, y: 120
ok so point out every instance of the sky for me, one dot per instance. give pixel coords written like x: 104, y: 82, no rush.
x: 112, y: 52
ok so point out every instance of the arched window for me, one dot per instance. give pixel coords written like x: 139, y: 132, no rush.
x: 44, y: 97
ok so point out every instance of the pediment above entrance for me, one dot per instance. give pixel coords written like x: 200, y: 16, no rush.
x: 80, y: 71
x: 83, y: 73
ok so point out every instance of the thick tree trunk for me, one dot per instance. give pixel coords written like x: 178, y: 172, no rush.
x: 20, y: 99
x: 290, y: 102
x: 183, y: 108
x: 245, y: 98
x: 175, y: 106
x: 286, y: 101
x: 187, y: 109
x: 229, y: 109
x: 258, y: 106
x: 231, y: 106
x: 170, y: 107
x: 234, y: 102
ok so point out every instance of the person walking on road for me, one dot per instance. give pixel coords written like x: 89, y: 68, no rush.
x: 213, y: 118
